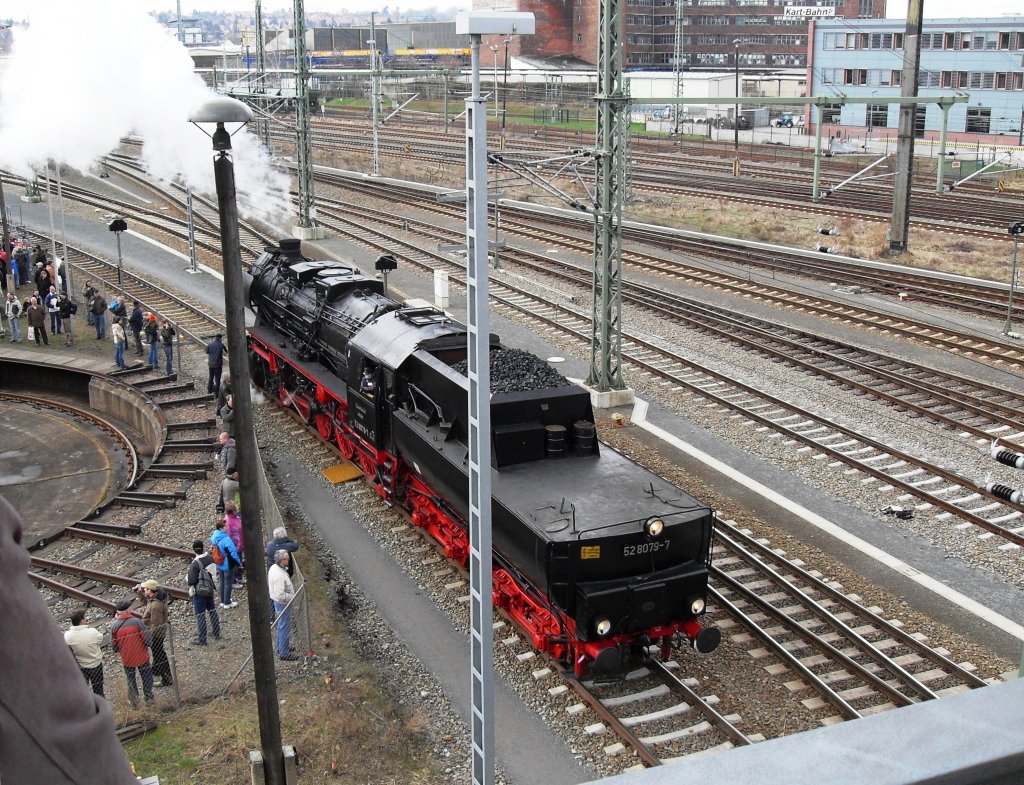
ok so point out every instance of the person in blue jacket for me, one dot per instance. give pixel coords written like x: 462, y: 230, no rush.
x: 223, y: 542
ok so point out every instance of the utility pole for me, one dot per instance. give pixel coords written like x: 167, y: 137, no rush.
x: 898, y: 233
x: 612, y: 122
x: 306, y: 230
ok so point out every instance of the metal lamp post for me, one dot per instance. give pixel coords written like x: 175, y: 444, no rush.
x: 117, y: 226
x: 221, y: 111
x: 494, y: 51
x: 504, y: 87
x: 481, y: 613
x: 1016, y: 230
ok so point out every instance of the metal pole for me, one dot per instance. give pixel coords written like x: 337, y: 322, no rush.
x: 120, y: 283
x: 193, y: 265
x: 943, y: 134
x: 900, y: 228
x: 6, y: 238
x: 479, y: 373
x: 1013, y: 284
x: 49, y: 205
x: 816, y: 188
x: 68, y: 287
x: 248, y: 466
x: 504, y: 89
x: 374, y: 94
x: 494, y: 51
x: 736, y: 114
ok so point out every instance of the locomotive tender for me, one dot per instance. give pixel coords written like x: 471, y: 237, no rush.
x: 594, y: 557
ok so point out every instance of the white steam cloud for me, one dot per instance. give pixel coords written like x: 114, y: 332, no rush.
x: 118, y: 72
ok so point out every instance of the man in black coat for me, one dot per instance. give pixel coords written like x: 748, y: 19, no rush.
x: 135, y: 321
x: 215, y: 355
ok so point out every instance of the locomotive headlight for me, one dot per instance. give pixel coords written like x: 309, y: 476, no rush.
x: 602, y: 625
x: 654, y: 527
x: 697, y: 606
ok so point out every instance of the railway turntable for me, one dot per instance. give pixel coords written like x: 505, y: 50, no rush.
x: 70, y: 439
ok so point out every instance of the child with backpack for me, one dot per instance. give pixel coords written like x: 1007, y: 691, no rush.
x: 225, y: 555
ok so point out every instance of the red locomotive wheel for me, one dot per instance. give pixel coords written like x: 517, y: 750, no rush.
x: 345, y: 445
x: 324, y: 425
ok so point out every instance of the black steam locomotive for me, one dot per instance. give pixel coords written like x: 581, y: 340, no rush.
x: 594, y: 557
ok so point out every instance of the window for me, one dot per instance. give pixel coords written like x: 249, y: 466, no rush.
x: 877, y: 116
x: 1001, y: 81
x: 1004, y: 40
x: 949, y: 41
x: 789, y: 60
x: 979, y: 120
x: 855, y: 76
x: 830, y: 113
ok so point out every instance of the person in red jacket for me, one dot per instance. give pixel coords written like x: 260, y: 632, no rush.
x: 130, y: 638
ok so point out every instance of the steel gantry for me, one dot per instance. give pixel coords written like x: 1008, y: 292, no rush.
x: 303, y: 143
x: 610, y: 158
x: 677, y: 67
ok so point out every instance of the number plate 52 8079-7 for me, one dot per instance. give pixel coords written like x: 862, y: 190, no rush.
x: 644, y: 548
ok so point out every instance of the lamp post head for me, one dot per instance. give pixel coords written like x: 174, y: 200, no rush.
x: 1016, y: 228
x: 495, y: 23
x: 221, y: 110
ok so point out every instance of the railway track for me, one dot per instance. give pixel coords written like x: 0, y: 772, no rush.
x: 93, y: 560
x: 908, y: 477
x: 189, y: 317
x: 835, y: 657
x: 970, y: 213
x: 978, y: 297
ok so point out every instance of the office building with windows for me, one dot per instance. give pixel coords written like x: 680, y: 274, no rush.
x: 768, y: 39
x: 981, y: 58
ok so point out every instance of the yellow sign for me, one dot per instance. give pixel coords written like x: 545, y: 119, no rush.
x: 590, y: 552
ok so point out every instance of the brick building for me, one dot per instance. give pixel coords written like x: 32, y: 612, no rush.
x: 767, y: 39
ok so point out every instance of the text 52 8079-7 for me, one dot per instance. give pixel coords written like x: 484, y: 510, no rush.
x: 643, y: 548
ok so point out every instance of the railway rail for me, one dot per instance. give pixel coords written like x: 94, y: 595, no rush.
x: 970, y: 213
x: 838, y: 658
x: 93, y: 560
x: 189, y: 317
x: 573, y: 232
x: 911, y: 477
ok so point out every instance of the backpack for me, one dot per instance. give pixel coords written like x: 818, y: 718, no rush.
x: 205, y: 586
x: 216, y: 553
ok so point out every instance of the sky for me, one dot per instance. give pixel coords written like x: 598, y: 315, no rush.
x: 933, y: 9
x: 153, y: 99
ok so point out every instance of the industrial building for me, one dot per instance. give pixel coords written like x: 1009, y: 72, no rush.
x: 758, y: 34
x: 978, y: 57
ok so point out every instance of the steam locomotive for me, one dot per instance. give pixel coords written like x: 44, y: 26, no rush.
x: 596, y: 559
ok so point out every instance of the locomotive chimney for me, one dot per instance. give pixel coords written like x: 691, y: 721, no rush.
x: 291, y: 247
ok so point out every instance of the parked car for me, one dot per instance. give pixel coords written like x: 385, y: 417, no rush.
x: 727, y: 122
x: 788, y: 120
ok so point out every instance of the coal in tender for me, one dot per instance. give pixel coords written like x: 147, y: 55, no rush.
x: 513, y: 370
